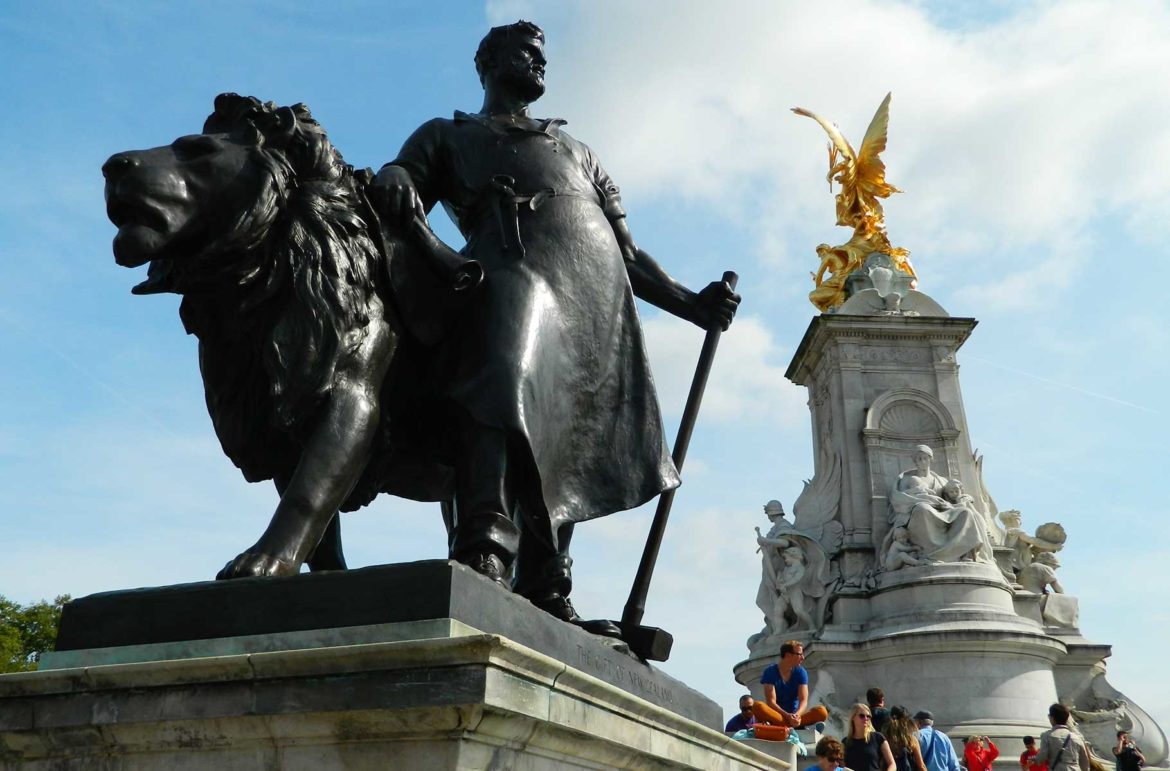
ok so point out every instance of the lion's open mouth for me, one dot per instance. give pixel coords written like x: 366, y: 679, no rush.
x: 144, y: 229
x: 118, y: 212
x: 124, y: 213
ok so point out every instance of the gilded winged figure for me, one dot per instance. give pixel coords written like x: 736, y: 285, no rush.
x: 861, y: 175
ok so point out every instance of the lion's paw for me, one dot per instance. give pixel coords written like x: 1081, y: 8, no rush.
x: 252, y: 564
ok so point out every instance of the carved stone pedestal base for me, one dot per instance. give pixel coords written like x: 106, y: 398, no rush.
x: 423, y: 665
x: 471, y: 702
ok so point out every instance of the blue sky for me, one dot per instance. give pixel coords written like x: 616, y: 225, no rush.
x: 1032, y: 140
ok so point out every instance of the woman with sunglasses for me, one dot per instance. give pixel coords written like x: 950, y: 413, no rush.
x: 980, y: 752
x: 865, y: 748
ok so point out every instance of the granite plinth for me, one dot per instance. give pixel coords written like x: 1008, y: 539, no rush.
x: 416, y: 600
x: 469, y: 702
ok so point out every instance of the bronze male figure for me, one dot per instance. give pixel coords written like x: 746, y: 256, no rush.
x: 553, y: 415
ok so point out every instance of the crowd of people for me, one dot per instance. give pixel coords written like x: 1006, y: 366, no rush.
x: 913, y: 744
x: 881, y: 738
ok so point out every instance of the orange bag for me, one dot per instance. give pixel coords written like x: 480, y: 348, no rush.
x: 772, y: 733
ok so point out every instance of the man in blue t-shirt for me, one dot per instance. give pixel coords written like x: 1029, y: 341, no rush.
x: 785, y: 684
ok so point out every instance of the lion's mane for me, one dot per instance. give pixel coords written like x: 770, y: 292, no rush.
x: 283, y: 292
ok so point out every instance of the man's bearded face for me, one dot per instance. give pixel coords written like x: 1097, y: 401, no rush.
x: 520, y: 68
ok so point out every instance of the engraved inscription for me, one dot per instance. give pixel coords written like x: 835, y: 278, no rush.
x: 626, y: 678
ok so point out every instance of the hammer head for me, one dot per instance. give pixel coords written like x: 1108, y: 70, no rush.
x: 648, y: 642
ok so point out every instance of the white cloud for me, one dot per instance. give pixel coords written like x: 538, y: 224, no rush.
x: 746, y: 381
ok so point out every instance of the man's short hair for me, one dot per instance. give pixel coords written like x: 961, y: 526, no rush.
x: 745, y: 696
x: 874, y: 696
x: 1121, y: 733
x: 1058, y: 713
x: 497, y: 37
x: 790, y: 647
x: 924, y: 715
x: 1029, y: 740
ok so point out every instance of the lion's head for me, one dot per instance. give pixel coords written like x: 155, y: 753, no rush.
x: 204, y: 205
x: 257, y: 222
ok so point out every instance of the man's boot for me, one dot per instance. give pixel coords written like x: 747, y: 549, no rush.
x: 486, y: 542
x: 546, y: 579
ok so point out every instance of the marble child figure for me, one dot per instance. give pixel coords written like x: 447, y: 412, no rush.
x: 790, y: 596
x: 552, y: 413
x: 901, y: 552
x: 1056, y: 607
x: 791, y: 586
x: 1040, y: 574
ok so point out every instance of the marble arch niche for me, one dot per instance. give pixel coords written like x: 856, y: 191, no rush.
x: 895, y: 423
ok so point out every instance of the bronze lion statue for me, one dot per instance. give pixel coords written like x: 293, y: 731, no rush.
x: 286, y: 279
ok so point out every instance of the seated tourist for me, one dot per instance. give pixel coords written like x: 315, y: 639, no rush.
x: 745, y: 718
x: 785, y: 701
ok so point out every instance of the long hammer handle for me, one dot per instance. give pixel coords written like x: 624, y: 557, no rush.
x: 636, y: 605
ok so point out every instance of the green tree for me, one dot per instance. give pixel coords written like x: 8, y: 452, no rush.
x: 27, y: 631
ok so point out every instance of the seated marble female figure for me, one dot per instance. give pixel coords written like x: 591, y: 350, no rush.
x: 942, y: 522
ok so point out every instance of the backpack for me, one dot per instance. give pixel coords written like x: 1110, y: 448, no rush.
x: 902, y: 760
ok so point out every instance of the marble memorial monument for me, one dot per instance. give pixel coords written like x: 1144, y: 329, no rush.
x: 897, y: 567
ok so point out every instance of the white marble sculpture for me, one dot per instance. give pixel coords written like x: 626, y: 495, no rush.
x: 1041, y: 574
x: 1049, y: 538
x: 1098, y: 725
x: 942, y: 520
x: 901, y: 553
x: 791, y: 592
x: 1039, y: 577
x: 774, y: 511
x: 794, y: 575
x: 797, y: 578
x: 987, y: 506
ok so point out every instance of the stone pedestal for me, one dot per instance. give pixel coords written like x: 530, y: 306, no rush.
x: 425, y: 665
x: 960, y: 638
x: 469, y: 702
x: 408, y: 601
